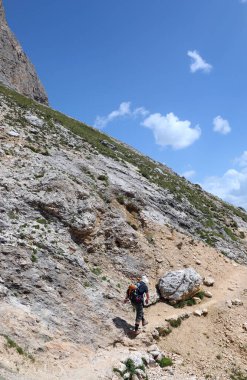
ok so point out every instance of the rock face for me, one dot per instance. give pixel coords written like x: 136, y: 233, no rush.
x: 16, y: 71
x: 81, y: 216
x: 179, y: 285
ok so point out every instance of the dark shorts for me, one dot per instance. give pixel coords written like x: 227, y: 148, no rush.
x: 139, y: 311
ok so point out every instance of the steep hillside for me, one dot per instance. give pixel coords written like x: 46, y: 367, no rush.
x: 16, y: 71
x: 80, y: 215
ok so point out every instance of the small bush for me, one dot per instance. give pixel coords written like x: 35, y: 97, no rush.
x: 175, y: 322
x: 165, y: 362
x: 130, y: 365
x: 200, y: 294
x: 164, y: 331
x: 96, y: 270
x: 34, y: 258
x: 181, y: 304
x: 41, y: 221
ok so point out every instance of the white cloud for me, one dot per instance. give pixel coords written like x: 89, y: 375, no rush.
x: 198, y: 62
x: 242, y: 160
x: 189, y: 174
x: 123, y: 111
x: 221, y: 125
x: 170, y: 131
x: 232, y: 185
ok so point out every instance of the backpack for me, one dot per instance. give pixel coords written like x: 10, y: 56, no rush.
x: 133, y: 293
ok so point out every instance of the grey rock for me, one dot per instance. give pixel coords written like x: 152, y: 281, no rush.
x: 179, y: 285
x: 16, y: 71
x: 34, y: 120
x: 13, y: 133
x: 208, y: 281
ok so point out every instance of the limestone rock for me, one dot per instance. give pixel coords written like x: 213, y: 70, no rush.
x: 208, y: 294
x: 16, y: 71
x: 208, y: 281
x: 180, y: 285
x: 200, y: 312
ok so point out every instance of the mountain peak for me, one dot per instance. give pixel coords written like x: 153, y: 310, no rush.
x: 16, y: 71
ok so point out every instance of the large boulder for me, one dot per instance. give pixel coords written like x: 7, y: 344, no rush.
x: 179, y: 285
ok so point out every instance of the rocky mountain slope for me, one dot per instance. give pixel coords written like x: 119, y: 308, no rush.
x: 16, y: 71
x: 80, y: 216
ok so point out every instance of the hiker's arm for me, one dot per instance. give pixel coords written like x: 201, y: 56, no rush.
x: 147, y: 298
x: 126, y: 298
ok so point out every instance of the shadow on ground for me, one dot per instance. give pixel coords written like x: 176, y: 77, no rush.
x: 125, y: 326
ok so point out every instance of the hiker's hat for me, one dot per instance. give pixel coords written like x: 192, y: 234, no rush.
x: 145, y: 279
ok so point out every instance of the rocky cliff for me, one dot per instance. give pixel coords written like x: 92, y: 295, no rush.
x: 80, y: 216
x: 16, y: 71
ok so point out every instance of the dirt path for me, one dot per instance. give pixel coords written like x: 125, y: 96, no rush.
x: 207, y: 347
x: 198, y: 341
x: 230, y: 286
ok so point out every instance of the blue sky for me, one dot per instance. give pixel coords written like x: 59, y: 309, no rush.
x: 166, y: 76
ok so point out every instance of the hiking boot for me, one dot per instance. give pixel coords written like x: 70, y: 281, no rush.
x: 136, y: 332
x: 144, y: 322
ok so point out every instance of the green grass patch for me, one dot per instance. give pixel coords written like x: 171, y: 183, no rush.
x: 175, y: 322
x: 208, y: 208
x: 96, y: 270
x: 12, y: 344
x: 165, y: 362
x: 163, y: 331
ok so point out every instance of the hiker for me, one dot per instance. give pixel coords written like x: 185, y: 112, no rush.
x: 135, y: 294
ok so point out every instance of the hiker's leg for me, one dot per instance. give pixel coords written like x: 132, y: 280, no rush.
x: 139, y: 315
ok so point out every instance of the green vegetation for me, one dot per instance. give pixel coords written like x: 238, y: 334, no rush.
x: 96, y: 270
x: 175, y: 322
x: 163, y: 331
x: 181, y: 304
x: 229, y: 232
x: 200, y: 294
x: 41, y: 221
x: 237, y: 374
x: 34, y: 258
x: 165, y: 362
x: 12, y: 344
x: 131, y: 369
x: 209, y: 209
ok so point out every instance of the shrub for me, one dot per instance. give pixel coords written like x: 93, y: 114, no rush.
x: 175, y: 322
x: 164, y: 331
x: 130, y: 366
x: 96, y: 270
x: 200, y: 294
x: 34, y: 258
x: 165, y: 362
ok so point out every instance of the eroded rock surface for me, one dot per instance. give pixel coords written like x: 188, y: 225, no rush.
x: 16, y: 71
x: 180, y: 285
